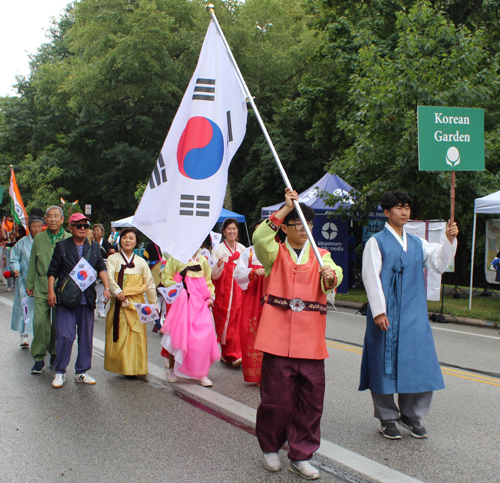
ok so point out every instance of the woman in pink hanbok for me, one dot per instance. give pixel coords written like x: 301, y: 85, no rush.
x: 189, y: 339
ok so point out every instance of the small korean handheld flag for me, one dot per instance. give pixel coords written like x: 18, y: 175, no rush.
x: 215, y: 238
x: 208, y: 256
x: 83, y: 274
x: 147, y: 312
x: 171, y: 293
x: 25, y: 302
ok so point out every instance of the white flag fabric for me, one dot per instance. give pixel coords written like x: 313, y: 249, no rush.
x: 26, y: 308
x: 171, y: 293
x: 215, y: 238
x: 185, y: 193
x: 83, y: 274
x: 147, y: 312
x: 209, y: 257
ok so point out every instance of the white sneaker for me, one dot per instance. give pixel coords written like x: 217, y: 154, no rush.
x: 85, y: 378
x: 24, y: 342
x: 304, y: 469
x: 205, y: 382
x: 102, y: 315
x: 59, y: 380
x: 271, y: 461
x: 9, y: 289
x: 171, y: 377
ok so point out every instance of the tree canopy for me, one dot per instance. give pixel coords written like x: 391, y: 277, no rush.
x: 337, y: 82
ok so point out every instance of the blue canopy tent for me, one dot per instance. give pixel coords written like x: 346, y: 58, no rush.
x: 330, y: 233
x: 230, y: 214
x: 330, y: 183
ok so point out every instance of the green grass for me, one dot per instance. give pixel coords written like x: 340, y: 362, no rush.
x: 485, y: 308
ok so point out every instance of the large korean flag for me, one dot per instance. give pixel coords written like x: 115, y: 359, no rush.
x: 184, y: 196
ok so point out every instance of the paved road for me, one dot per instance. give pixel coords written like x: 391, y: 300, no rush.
x: 138, y: 431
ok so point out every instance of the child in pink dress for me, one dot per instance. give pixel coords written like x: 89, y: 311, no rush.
x: 189, y: 338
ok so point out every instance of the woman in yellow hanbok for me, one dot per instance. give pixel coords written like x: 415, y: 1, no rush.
x: 126, y: 349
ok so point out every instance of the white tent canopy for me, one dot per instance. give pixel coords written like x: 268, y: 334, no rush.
x: 488, y: 205
x: 123, y: 223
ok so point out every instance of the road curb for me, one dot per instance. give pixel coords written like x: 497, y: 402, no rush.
x: 461, y: 320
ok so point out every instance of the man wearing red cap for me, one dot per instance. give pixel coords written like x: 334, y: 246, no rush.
x: 71, y: 319
x: 44, y: 334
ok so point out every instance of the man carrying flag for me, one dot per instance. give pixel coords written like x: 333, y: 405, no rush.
x: 189, y: 179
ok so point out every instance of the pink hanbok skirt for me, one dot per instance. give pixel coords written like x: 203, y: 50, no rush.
x: 189, y: 333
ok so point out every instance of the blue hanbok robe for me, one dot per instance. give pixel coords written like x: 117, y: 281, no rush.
x: 19, y: 260
x: 402, y: 360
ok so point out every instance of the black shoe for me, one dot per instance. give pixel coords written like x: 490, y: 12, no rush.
x: 37, y: 367
x: 389, y: 430
x: 416, y: 429
x: 51, y: 362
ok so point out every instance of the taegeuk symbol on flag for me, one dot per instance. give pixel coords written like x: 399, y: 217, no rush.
x: 171, y: 293
x: 147, y: 312
x: 184, y: 196
x: 83, y: 274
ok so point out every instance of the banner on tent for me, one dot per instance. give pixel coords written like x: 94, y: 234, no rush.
x: 492, y: 245
x: 331, y: 234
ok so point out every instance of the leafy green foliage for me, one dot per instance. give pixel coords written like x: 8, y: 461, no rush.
x: 337, y: 83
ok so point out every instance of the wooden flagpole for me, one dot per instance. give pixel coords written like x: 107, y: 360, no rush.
x: 452, y: 198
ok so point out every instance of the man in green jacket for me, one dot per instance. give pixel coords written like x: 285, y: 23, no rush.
x: 44, y: 333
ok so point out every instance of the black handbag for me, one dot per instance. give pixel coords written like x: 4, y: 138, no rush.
x: 69, y: 293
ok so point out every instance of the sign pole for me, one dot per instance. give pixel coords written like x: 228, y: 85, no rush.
x: 452, y: 198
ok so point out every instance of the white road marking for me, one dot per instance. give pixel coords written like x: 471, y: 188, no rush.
x: 8, y: 302
x: 435, y: 328
x: 467, y: 333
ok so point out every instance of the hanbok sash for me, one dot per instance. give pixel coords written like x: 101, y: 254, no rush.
x: 118, y: 304
x: 394, y: 315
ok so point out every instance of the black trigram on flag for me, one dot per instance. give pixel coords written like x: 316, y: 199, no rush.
x: 204, y: 90
x: 159, y: 174
x: 195, y: 207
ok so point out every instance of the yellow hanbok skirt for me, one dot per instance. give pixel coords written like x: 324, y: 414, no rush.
x: 129, y: 354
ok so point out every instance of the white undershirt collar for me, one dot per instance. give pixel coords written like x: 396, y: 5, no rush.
x: 302, y: 252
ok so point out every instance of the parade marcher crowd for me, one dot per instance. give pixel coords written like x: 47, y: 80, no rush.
x: 265, y: 307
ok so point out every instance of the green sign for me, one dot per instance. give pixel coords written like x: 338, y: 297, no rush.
x: 450, y: 139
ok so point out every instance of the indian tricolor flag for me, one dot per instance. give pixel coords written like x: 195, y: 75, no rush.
x: 16, y: 203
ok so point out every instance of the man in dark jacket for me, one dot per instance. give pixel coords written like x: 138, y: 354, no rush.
x: 70, y: 321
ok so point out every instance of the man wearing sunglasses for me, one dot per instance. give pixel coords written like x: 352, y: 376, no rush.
x: 291, y: 335
x: 78, y: 320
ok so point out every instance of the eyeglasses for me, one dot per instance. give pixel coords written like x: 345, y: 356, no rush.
x: 300, y: 226
x: 86, y: 226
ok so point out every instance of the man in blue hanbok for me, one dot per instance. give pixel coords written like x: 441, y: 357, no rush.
x: 19, y: 262
x: 399, y: 356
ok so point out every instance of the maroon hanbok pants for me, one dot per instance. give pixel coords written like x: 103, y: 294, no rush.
x: 292, y: 393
